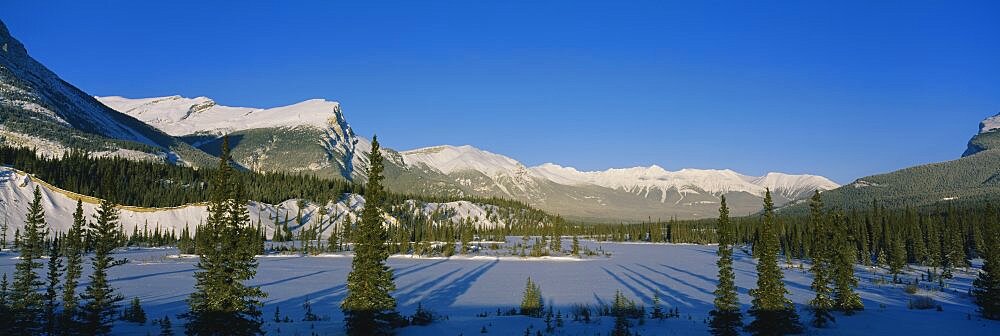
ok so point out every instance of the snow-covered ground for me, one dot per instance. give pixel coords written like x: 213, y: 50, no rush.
x: 463, y: 287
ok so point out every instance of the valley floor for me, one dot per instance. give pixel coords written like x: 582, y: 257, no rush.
x: 461, y: 288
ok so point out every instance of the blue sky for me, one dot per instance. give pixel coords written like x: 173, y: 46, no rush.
x: 842, y: 89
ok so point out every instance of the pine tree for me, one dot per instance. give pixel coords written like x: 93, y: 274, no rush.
x: 844, y: 281
x: 986, y: 287
x: 134, y: 313
x: 897, y: 255
x: 166, y: 328
x: 773, y: 313
x: 369, y: 309
x: 26, y: 301
x: 6, y: 320
x: 620, y: 308
x: 726, y: 318
x: 531, y: 302
x: 53, y: 276
x: 575, y: 249
x: 3, y: 230
x: 101, y: 301
x: 822, y: 303
x: 221, y: 303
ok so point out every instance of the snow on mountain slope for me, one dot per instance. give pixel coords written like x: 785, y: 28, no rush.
x: 40, y: 105
x: 178, y: 116
x: 17, y: 188
x: 312, y: 135
x: 644, y: 181
x: 506, y: 175
x: 449, y: 159
x: 795, y: 186
x: 656, y: 179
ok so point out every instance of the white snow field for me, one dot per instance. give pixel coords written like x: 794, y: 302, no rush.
x: 462, y: 287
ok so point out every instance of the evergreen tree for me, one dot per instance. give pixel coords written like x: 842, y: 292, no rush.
x: 620, y: 309
x: 134, y: 312
x: 166, y: 328
x: 369, y: 309
x: 26, y: 301
x: 773, y: 313
x: 726, y: 318
x: 575, y: 249
x: 822, y: 303
x: 986, y: 287
x: 101, y: 301
x: 3, y: 230
x: 221, y: 303
x: 844, y: 281
x: 897, y: 255
x: 6, y: 320
x: 53, y: 276
x: 531, y: 302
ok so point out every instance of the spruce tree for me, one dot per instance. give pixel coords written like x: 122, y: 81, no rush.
x: 53, y: 276
x: 773, y: 313
x: 134, y: 312
x: 844, y: 281
x: 166, y: 328
x: 6, y: 320
x: 369, y: 309
x: 575, y: 249
x: 531, y: 302
x: 726, y: 318
x: 897, y: 255
x: 986, y: 287
x: 26, y: 301
x: 822, y: 303
x: 221, y: 303
x: 100, y: 299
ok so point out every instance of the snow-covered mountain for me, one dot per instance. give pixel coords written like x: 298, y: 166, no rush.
x: 40, y: 110
x: 658, y: 192
x: 312, y: 135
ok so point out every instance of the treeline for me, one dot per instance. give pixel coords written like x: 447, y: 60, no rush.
x: 155, y: 184
x: 945, y: 237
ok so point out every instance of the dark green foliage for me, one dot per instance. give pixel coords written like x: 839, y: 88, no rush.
x: 26, y: 301
x: 422, y: 316
x: 53, y: 276
x: 74, y: 246
x: 369, y: 309
x: 6, y: 319
x: 134, y: 312
x: 986, y: 287
x: 773, y: 313
x: 101, y: 300
x: 622, y: 308
x: 226, y: 244
x: 843, y: 258
x: 822, y: 303
x: 166, y: 328
x: 726, y: 318
x: 532, y: 303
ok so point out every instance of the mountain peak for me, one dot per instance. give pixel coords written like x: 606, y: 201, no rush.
x: 447, y: 159
x: 987, y: 138
x: 990, y: 124
x: 179, y: 115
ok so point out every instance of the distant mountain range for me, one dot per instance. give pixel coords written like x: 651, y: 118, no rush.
x: 314, y: 136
